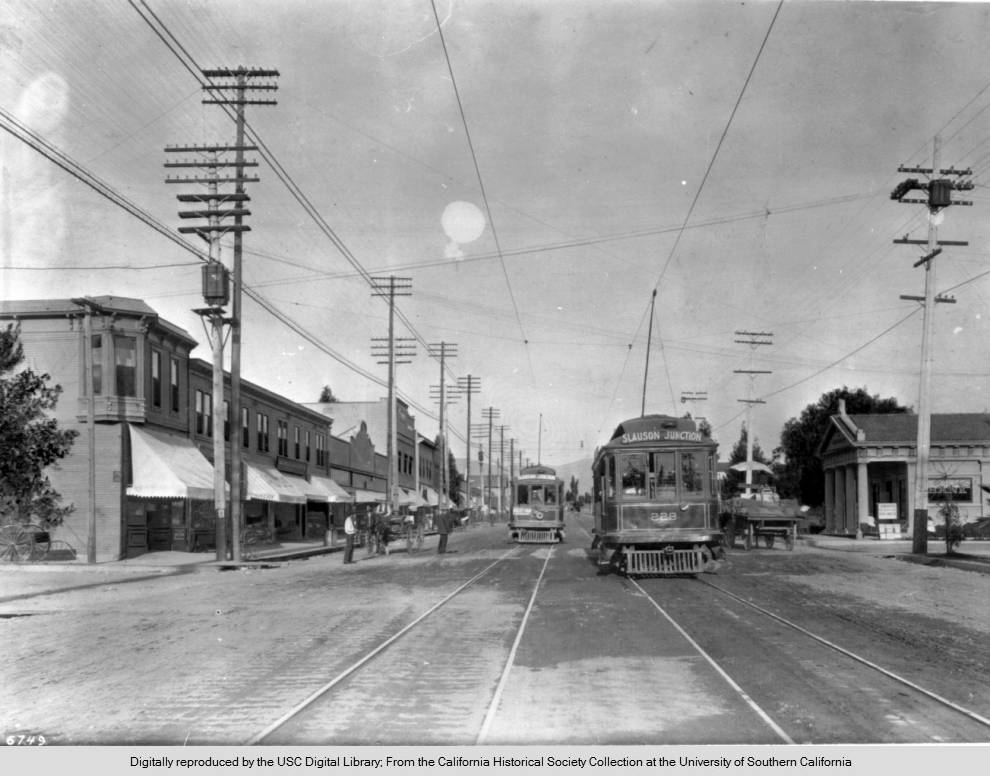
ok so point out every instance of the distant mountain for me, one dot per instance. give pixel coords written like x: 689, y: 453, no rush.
x: 580, y: 469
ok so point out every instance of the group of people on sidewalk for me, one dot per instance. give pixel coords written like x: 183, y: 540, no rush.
x: 380, y: 528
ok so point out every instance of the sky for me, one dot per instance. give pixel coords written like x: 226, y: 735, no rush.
x: 736, y: 157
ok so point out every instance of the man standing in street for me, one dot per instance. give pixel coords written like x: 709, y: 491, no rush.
x: 350, y: 531
x: 443, y: 528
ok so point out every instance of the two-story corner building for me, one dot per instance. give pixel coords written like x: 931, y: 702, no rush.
x: 870, y: 463
x: 140, y: 473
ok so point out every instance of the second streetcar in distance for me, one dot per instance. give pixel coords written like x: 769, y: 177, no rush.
x: 538, y: 512
x: 656, y: 498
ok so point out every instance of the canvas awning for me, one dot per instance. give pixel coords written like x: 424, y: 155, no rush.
x: 368, y: 496
x: 266, y: 483
x: 166, y: 465
x: 756, y: 465
x: 411, y: 499
x: 325, y: 489
x: 432, y: 498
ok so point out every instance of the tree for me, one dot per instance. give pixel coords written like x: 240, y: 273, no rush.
x: 572, y: 491
x: 454, y: 480
x: 30, y: 440
x: 800, y: 474
x: 327, y: 397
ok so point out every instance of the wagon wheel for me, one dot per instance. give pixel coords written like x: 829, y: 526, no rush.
x: 768, y: 541
x: 16, y: 542
x: 42, y: 542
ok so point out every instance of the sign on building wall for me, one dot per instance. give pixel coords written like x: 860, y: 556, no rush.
x: 950, y: 489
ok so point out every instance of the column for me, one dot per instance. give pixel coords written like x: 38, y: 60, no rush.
x: 852, y: 513
x: 830, y: 501
x: 863, y: 495
x: 840, y: 499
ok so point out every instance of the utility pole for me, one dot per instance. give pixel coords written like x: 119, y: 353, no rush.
x: 501, y: 469
x: 468, y: 385
x: 939, y: 197
x: 231, y: 88
x: 395, y: 352
x: 512, y: 475
x: 444, y: 396
x: 216, y: 288
x: 442, y: 351
x: 491, y: 415
x: 754, y: 339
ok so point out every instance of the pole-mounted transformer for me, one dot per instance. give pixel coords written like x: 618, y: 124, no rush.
x: 216, y: 284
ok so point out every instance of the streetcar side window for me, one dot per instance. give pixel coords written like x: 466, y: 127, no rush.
x: 691, y: 479
x: 663, y: 476
x: 634, y: 474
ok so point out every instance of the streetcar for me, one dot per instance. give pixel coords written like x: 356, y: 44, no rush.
x: 538, y: 513
x: 656, y: 499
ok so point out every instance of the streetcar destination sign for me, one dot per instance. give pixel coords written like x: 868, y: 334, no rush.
x: 661, y: 436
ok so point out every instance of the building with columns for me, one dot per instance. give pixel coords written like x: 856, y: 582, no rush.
x: 870, y: 463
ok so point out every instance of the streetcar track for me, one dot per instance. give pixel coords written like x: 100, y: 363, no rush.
x: 383, y: 646
x: 852, y: 655
x: 721, y: 672
x: 496, y: 698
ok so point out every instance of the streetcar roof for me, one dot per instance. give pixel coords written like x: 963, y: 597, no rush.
x: 538, y: 472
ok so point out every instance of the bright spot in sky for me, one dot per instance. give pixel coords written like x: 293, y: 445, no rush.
x: 684, y: 183
x: 463, y: 223
x: 957, y: 329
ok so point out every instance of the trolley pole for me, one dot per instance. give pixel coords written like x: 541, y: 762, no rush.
x: 395, y: 352
x: 939, y: 197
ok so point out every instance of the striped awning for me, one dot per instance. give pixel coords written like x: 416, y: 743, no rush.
x: 266, y: 483
x: 325, y: 489
x: 166, y: 465
x: 368, y: 496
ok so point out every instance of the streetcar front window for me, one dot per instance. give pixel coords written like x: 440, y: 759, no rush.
x: 610, y: 478
x: 522, y: 495
x: 663, y: 477
x: 634, y: 474
x: 551, y: 495
x: 691, y: 480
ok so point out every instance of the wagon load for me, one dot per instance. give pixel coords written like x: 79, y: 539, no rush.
x: 762, y: 515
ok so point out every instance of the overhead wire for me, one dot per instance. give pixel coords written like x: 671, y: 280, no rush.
x: 482, y: 189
